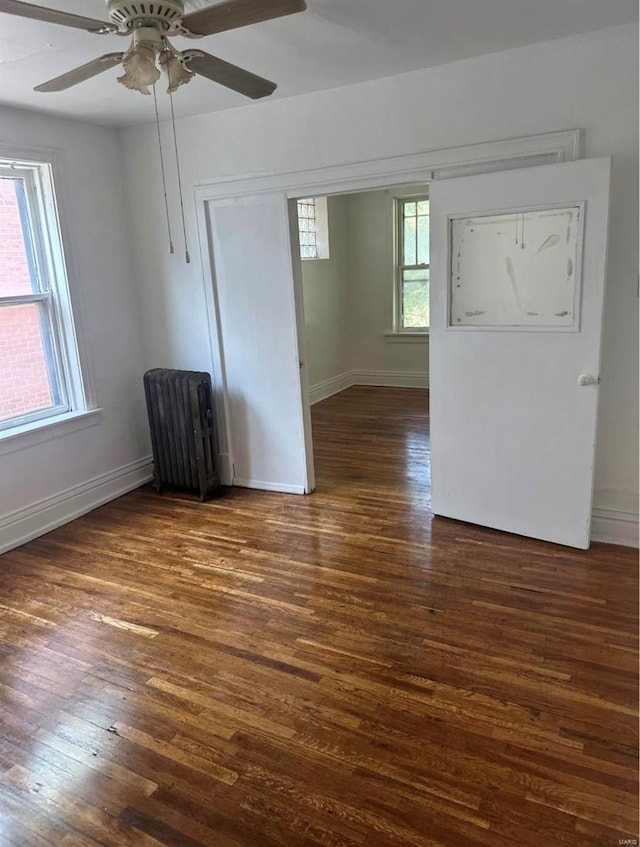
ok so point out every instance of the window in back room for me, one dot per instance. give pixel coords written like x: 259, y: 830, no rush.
x: 412, y: 265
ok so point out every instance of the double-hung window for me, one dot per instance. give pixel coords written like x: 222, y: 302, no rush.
x: 39, y: 368
x: 412, y: 265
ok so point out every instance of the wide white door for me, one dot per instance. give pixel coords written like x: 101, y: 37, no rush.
x: 518, y: 262
x: 260, y: 364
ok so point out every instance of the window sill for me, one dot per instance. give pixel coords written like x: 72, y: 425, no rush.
x: 28, y: 435
x: 407, y: 337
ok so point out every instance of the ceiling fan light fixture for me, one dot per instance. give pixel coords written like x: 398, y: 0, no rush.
x: 177, y: 72
x: 151, y: 23
x: 141, y: 70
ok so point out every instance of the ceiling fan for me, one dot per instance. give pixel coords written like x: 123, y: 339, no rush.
x: 150, y: 24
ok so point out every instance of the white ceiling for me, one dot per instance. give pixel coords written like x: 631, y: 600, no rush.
x: 333, y: 43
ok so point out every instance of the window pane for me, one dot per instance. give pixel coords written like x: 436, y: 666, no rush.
x: 27, y: 375
x: 423, y: 207
x: 409, y: 240
x: 415, y: 299
x: 307, y: 227
x: 409, y: 209
x: 423, y: 239
x: 17, y: 265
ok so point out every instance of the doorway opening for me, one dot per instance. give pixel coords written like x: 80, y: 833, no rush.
x: 255, y: 302
x: 364, y: 271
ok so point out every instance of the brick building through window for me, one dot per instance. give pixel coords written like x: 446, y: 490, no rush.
x: 24, y: 371
x: 40, y: 376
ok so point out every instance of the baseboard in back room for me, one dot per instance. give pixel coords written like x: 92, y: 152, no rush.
x: 391, y: 379
x: 329, y: 387
x: 613, y: 526
x: 32, y: 521
x: 388, y: 379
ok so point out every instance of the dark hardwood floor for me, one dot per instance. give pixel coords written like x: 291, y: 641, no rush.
x: 335, y: 670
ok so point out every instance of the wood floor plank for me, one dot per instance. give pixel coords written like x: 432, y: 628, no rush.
x: 338, y: 670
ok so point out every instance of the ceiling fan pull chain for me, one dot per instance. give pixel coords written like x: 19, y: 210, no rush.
x: 175, y: 143
x: 164, y: 176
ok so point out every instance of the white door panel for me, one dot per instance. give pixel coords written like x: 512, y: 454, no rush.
x: 257, y: 319
x: 513, y: 430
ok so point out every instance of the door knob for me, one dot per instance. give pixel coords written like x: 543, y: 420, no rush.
x: 588, y: 379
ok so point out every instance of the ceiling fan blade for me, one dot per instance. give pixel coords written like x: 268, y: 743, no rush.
x: 93, y: 68
x: 53, y: 16
x: 229, y: 75
x: 235, y: 13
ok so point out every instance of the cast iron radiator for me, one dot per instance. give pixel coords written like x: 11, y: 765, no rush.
x: 180, y: 409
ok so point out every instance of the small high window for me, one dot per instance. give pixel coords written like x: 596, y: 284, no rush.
x: 313, y: 227
x: 412, y: 265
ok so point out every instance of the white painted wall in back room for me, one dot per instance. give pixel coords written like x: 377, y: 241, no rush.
x: 588, y: 81
x: 371, y: 275
x: 46, y: 484
x: 325, y: 286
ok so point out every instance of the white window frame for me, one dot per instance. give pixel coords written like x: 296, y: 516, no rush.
x: 48, y: 256
x: 400, y: 267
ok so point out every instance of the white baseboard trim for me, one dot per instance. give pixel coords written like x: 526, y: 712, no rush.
x: 391, y: 379
x: 612, y: 526
x: 329, y: 387
x: 386, y: 379
x: 280, y: 487
x: 32, y: 521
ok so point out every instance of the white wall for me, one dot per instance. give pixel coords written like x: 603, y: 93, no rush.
x: 46, y: 484
x: 587, y: 81
x: 371, y: 275
x: 325, y: 288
